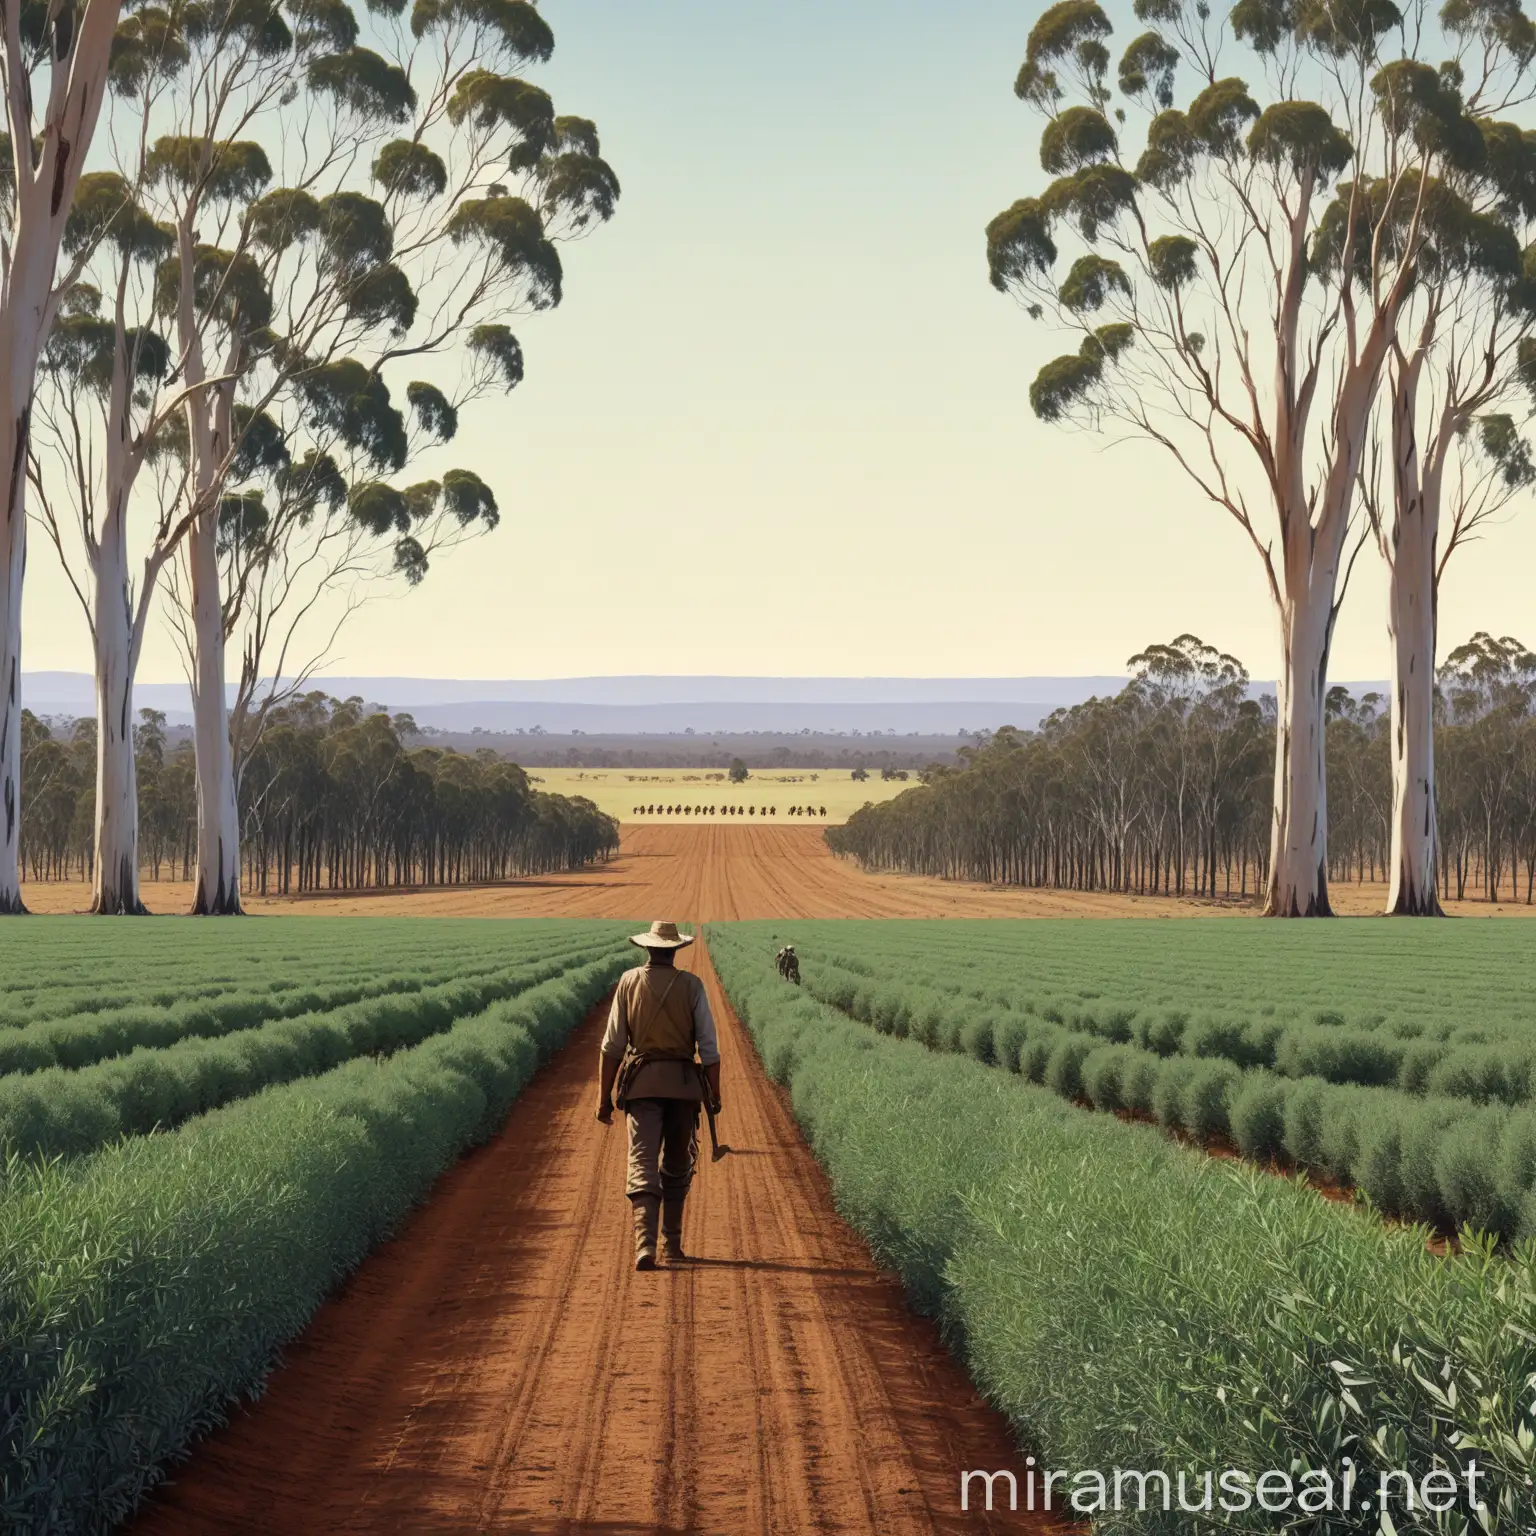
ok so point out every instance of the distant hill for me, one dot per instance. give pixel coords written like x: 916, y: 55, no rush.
x: 630, y: 706
x: 644, y: 706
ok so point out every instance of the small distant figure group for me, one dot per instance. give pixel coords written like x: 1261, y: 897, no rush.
x: 807, y: 810
x: 789, y: 964
x: 715, y: 810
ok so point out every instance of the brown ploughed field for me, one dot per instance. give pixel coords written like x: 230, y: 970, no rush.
x: 720, y: 873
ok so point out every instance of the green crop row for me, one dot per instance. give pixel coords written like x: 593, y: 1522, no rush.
x: 63, y: 998
x: 898, y: 989
x: 87, y: 1038
x: 1131, y: 1303
x: 1446, y: 1161
x: 1467, y: 983
x: 59, y: 1112
x: 51, y: 964
x: 146, y: 1287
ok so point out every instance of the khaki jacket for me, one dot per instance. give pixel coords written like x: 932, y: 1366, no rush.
x: 662, y: 1013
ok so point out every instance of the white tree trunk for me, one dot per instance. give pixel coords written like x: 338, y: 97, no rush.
x: 13, y: 554
x: 117, y: 795
x: 218, y: 819
x: 1298, y: 870
x: 1411, y: 624
x: 1411, y: 621
x: 40, y: 207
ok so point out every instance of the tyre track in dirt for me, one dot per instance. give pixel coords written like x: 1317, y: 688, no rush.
x: 498, y: 1366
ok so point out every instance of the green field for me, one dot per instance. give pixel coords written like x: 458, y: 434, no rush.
x: 305, y: 1082
x: 621, y: 791
x: 1129, y: 1301
x: 1398, y: 1059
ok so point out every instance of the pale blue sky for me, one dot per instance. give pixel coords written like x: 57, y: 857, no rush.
x: 780, y: 424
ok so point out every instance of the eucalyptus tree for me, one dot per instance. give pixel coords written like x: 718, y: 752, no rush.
x: 1206, y: 320
x: 54, y: 71
x: 335, y: 797
x: 1489, y: 735
x: 342, y: 212
x: 98, y: 408
x: 201, y: 68
x: 1153, y: 790
x: 1455, y: 368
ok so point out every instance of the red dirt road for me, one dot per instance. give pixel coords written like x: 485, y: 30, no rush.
x: 500, y: 1367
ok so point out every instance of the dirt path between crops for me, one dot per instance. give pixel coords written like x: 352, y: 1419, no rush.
x: 500, y: 1367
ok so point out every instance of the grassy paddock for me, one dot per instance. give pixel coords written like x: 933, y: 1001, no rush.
x: 618, y: 791
x: 1131, y: 1303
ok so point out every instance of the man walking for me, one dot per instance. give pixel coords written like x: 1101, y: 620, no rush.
x: 659, y: 1015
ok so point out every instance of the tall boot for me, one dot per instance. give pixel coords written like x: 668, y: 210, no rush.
x: 672, y: 1229
x: 647, y: 1214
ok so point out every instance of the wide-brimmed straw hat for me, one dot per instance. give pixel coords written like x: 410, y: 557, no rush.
x: 662, y: 936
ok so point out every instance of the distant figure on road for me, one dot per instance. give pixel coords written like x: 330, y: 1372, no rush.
x: 789, y: 964
x: 647, y: 1070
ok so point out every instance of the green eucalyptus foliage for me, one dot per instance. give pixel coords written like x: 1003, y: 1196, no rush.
x: 1071, y: 31
x: 1019, y: 243
x: 83, y: 346
x: 1173, y: 260
x: 1077, y: 137
x: 282, y: 218
x: 512, y: 235
x: 497, y: 346
x: 147, y: 47
x: 435, y: 414
x: 512, y: 26
x: 408, y: 169
x: 469, y: 498
x: 235, y: 170
x: 1147, y: 68
x: 1090, y: 282
x: 227, y: 284
x: 314, y: 482
x: 366, y: 83
x: 380, y: 508
x: 352, y: 402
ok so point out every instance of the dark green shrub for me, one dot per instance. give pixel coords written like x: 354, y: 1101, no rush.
x: 1256, y: 1116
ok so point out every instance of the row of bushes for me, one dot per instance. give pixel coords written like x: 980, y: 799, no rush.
x: 83, y: 1039
x: 1460, y: 1061
x: 61, y: 998
x: 59, y: 1112
x: 1447, y: 1161
x: 177, y: 1264
x: 1131, y: 1303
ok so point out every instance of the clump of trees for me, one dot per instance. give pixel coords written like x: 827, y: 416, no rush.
x: 1291, y: 244
x: 336, y: 797
x: 1165, y: 788
x: 236, y: 354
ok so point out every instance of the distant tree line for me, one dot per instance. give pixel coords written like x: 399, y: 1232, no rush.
x: 670, y: 750
x: 332, y: 798
x: 1166, y: 787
